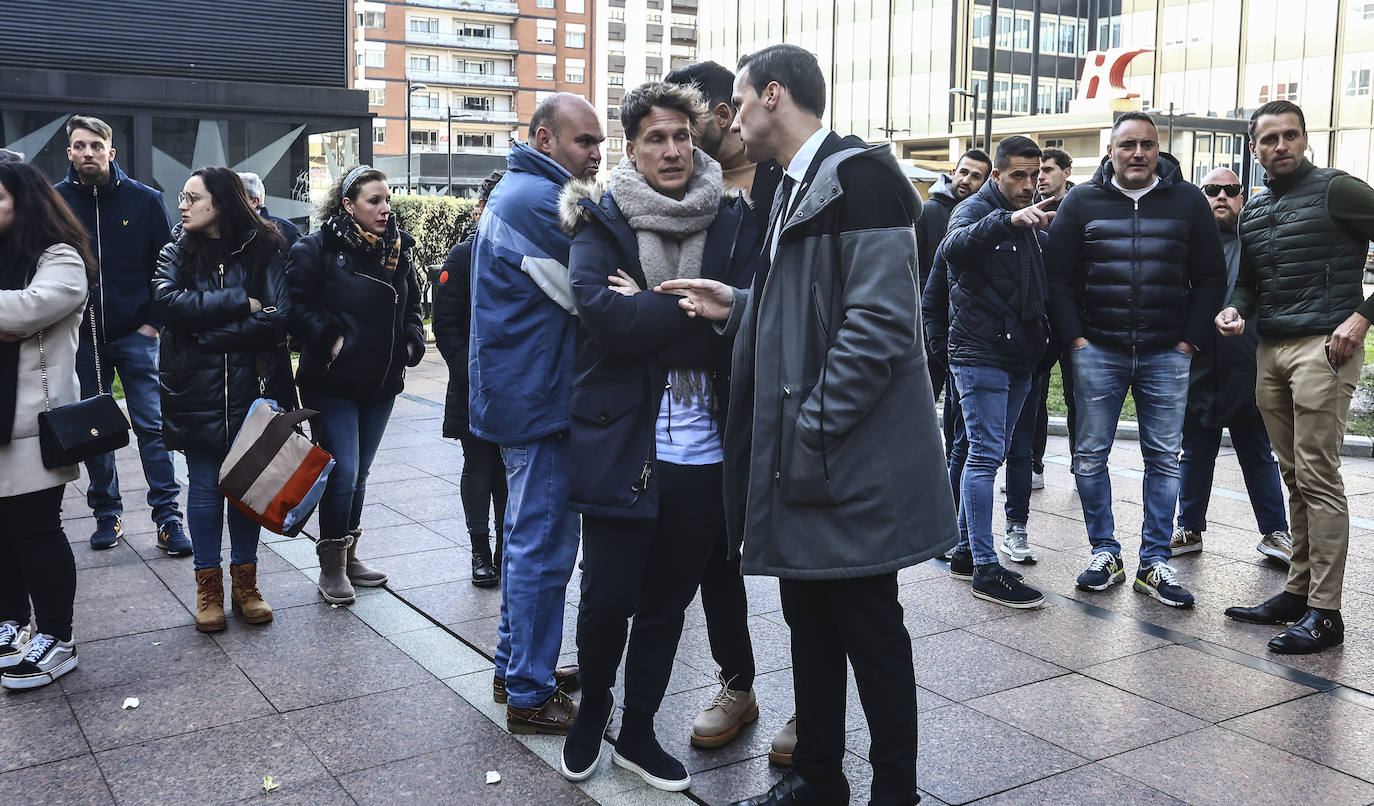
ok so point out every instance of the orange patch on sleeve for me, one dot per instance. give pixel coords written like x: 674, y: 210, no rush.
x: 443, y: 278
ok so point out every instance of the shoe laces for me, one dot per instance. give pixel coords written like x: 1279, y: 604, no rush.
x: 1100, y: 561
x: 725, y: 697
x: 9, y: 632
x: 1017, y: 537
x: 1283, y: 538
x: 1164, y: 575
x: 38, y: 646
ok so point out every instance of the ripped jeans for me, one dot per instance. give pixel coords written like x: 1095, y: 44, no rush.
x: 1158, y: 381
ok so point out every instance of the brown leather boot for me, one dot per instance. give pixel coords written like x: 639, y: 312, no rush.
x: 554, y: 717
x: 210, y: 599
x: 247, y: 600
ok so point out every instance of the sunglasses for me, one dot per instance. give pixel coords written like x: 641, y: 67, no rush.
x: 1216, y: 190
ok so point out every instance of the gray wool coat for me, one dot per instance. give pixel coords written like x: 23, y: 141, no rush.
x: 834, y: 462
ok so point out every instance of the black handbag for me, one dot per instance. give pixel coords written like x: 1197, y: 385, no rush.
x: 71, y: 434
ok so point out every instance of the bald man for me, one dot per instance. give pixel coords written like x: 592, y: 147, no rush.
x: 1221, y: 394
x: 520, y: 368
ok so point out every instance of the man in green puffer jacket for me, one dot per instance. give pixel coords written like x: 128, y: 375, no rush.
x: 1303, y: 244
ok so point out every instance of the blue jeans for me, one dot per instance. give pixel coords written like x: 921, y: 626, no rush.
x: 1257, y: 465
x: 1158, y: 380
x: 991, y: 399
x: 205, y: 515
x: 541, y: 547
x: 1021, y: 454
x: 351, y: 432
x: 135, y: 358
x: 956, y: 440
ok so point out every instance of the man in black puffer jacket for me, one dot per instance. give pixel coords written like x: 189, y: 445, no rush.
x: 997, y: 336
x: 1136, y: 275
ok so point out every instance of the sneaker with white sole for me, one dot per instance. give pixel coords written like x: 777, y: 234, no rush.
x: 14, y: 641
x: 1185, y: 541
x: 1160, y: 582
x: 46, y: 660
x: 1277, y: 546
x: 1016, y: 544
x: 1104, y: 571
x: 993, y: 583
x: 721, y: 720
x: 1037, y: 481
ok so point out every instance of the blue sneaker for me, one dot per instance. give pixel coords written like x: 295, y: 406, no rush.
x: 1104, y: 571
x: 171, y: 539
x: 1160, y: 582
x: 107, y: 532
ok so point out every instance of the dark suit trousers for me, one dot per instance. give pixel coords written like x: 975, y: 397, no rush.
x: 861, y: 620
x: 727, y: 617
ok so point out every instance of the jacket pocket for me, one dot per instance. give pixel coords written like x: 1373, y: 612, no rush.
x: 808, y: 473
x: 611, y: 446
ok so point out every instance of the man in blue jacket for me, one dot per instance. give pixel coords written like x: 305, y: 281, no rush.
x: 520, y: 365
x: 997, y: 336
x: 128, y: 224
x: 1136, y: 275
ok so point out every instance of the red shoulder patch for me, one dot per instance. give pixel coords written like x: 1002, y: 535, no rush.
x: 443, y: 278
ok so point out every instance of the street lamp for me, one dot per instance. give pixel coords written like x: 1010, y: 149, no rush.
x: 1171, y: 114
x: 411, y: 86
x: 960, y: 91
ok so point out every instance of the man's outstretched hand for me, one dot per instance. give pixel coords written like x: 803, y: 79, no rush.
x: 707, y: 299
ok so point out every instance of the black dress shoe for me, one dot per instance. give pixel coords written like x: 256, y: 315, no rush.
x: 1318, y: 630
x: 793, y: 791
x: 1285, y: 608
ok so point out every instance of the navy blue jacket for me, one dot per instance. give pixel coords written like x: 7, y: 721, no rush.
x: 452, y: 328
x: 997, y: 287
x: 520, y: 359
x: 1145, y: 274
x: 289, y: 231
x: 128, y: 224
x: 628, y: 345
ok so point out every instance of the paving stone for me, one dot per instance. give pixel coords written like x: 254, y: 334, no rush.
x: 210, y: 766
x: 310, y: 655
x: 168, y: 706
x: 406, y: 538
x: 180, y: 577
x: 135, y: 658
x: 1085, y: 716
x: 1090, y: 785
x: 1065, y: 637
x: 948, y: 600
x: 959, y: 666
x: 1323, y: 728
x: 389, y: 615
x: 427, y: 568
x: 775, y: 693
x: 367, y: 731
x: 1216, y: 766
x: 772, y: 647
x: 38, y: 732
x: 121, y: 600
x: 317, y: 792
x: 1196, y: 683
x: 299, y: 552
x: 72, y: 782
x: 440, y: 652
x: 454, y: 602
x: 458, y: 776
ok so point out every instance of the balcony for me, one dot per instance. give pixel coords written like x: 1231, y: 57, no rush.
x: 683, y: 34
x: 653, y: 32
x: 465, y: 115
x: 615, y: 63
x: 684, y: 6
x: 466, y: 42
x: 615, y: 31
x: 463, y: 78
x: 505, y: 9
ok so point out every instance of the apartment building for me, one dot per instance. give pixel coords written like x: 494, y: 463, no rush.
x: 471, y: 73
x: 638, y: 41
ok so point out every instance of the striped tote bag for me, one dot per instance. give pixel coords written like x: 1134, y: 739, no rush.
x: 273, y: 473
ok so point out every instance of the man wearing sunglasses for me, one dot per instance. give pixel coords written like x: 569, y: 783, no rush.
x: 1303, y: 245
x: 1221, y: 394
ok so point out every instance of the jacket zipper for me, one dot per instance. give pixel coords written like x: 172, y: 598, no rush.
x: 99, y: 261
x: 391, y: 343
x: 225, y: 360
x: 777, y: 450
x: 1135, y: 269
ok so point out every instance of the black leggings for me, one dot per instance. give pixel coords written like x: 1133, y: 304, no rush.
x: 36, y: 562
x: 482, y: 485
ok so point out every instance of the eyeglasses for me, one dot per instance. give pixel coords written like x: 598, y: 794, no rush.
x: 1215, y: 190
x: 188, y: 198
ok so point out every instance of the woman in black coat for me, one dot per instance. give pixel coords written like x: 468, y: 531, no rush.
x: 483, y: 483
x: 355, y: 308
x: 220, y: 291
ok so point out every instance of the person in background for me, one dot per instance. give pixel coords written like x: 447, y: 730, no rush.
x: 1056, y: 166
x: 483, y: 481
x: 220, y: 292
x: 103, y: 196
x: 6, y: 155
x: 355, y: 309
x: 257, y: 199
x: 1221, y: 394
x: 45, y: 268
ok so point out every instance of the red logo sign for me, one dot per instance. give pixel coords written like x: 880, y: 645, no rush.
x: 1104, y: 75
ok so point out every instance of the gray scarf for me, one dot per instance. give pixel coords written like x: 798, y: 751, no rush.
x: 672, y: 238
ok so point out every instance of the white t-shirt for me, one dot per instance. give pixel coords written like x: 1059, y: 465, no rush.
x: 687, y: 433
x: 1137, y: 195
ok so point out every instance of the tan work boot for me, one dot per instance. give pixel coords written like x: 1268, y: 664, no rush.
x: 334, y: 585
x: 360, y: 574
x: 210, y: 599
x: 244, y: 595
x: 720, y: 722
x: 784, y: 743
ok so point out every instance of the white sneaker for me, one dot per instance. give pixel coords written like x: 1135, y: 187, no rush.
x: 1016, y: 544
x: 46, y: 660
x: 1037, y: 481
x: 13, y: 643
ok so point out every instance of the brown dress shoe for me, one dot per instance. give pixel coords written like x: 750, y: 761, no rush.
x: 554, y: 717
x: 565, y: 677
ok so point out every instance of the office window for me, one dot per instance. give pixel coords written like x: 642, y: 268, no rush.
x: 375, y: 20
x: 423, y: 137
x: 982, y: 22
x: 1000, y: 90
x: 1357, y: 82
x: 574, y: 70
x: 1022, y: 38
x: 575, y: 35
x: 424, y: 25
x: 1287, y: 91
x: 544, y: 31
x: 1020, y: 97
x: 1003, y: 30
x: 1062, y: 96
x: 1048, y: 29
x: 374, y: 58
x: 544, y: 67
x: 1044, y: 97
x: 1068, y: 38
x: 376, y: 96
x: 980, y: 86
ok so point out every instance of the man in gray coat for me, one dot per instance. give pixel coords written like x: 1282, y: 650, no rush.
x: 831, y: 424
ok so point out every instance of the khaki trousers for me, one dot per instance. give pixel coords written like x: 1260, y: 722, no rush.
x: 1305, y: 403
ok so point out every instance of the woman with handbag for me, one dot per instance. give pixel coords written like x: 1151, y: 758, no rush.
x: 220, y: 291
x: 45, y: 268
x: 355, y: 309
